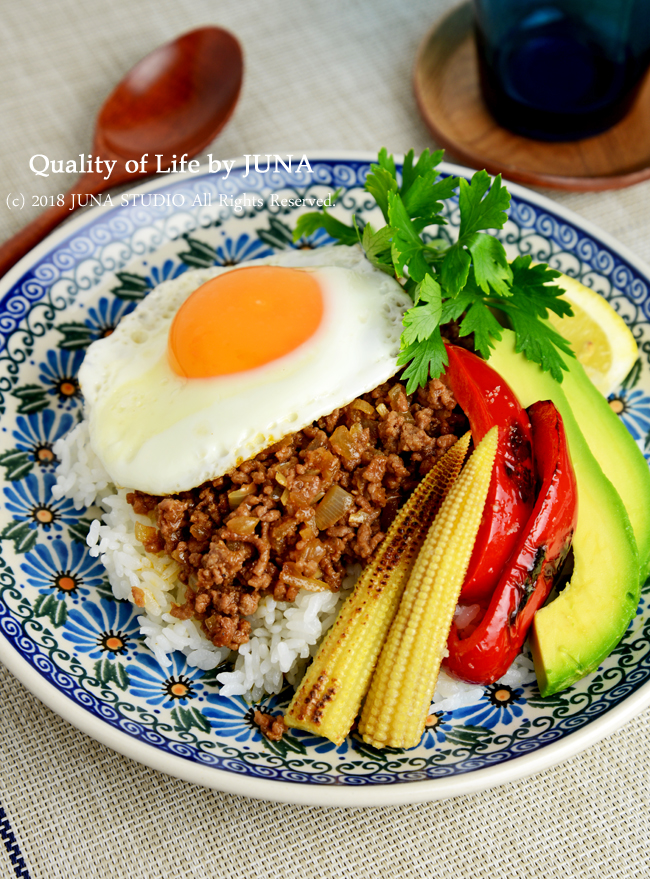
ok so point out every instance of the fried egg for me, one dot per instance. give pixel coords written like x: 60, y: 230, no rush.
x: 214, y: 366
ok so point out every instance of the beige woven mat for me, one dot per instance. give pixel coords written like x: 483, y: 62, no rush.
x: 78, y: 809
x: 319, y: 75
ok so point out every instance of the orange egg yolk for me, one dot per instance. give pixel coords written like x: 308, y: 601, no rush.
x: 243, y: 319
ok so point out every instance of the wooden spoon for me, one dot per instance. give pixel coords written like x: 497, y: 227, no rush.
x: 173, y: 102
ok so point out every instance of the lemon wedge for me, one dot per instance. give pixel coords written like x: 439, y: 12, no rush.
x: 598, y: 335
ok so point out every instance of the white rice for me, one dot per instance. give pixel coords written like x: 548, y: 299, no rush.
x: 284, y: 635
x: 452, y: 693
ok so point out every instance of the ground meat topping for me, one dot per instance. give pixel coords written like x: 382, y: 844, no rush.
x: 271, y: 726
x: 254, y: 531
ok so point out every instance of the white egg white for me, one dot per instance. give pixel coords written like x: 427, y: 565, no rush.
x: 162, y: 434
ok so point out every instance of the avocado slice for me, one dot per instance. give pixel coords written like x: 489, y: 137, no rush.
x: 575, y: 632
x: 615, y: 449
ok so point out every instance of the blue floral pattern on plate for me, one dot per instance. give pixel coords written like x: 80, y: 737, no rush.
x: 102, y: 627
x: 167, y: 272
x: 500, y: 705
x: 633, y: 406
x: 59, y: 375
x: 103, y: 319
x: 30, y: 501
x: 436, y: 728
x: 232, y: 717
x: 165, y: 686
x: 64, y: 569
x: 56, y: 613
x: 231, y: 252
x: 37, y: 433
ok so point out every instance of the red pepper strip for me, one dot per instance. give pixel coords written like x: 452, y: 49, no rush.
x: 487, y: 400
x: 486, y: 654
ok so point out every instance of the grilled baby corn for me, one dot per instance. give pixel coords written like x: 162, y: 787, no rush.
x: 404, y: 681
x: 329, y: 696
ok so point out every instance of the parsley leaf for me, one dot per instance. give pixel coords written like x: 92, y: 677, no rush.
x: 423, y: 359
x: 426, y: 163
x: 421, y: 321
x: 382, y: 180
x: 407, y: 245
x: 386, y: 162
x: 482, y: 205
x: 470, y: 281
x: 527, y: 308
x: 452, y: 309
x: 455, y: 269
x: 486, y: 328
x: 533, y: 283
x: 380, y: 183
x: 308, y: 223
x: 491, y: 269
x: 377, y: 246
x: 424, y: 197
x: 540, y: 347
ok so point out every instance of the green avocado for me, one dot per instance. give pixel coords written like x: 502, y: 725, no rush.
x: 575, y: 632
x: 613, y: 446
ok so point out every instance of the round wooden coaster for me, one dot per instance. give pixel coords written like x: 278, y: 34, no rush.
x: 446, y: 84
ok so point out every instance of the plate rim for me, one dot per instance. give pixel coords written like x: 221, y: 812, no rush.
x: 297, y: 793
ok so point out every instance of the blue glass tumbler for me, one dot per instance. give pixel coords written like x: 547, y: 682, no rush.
x: 561, y: 70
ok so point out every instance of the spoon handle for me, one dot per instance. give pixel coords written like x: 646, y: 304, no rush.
x: 22, y: 242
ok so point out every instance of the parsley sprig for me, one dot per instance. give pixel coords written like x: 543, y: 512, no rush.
x: 470, y: 281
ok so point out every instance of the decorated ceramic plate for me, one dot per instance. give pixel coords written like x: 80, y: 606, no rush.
x: 78, y: 649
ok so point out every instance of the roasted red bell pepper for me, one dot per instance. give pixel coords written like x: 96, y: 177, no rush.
x: 486, y: 654
x: 487, y: 400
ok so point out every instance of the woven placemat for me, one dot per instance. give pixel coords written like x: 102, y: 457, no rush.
x: 78, y: 809
x: 318, y: 76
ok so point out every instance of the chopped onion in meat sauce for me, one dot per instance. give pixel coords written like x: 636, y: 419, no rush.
x: 300, y: 512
